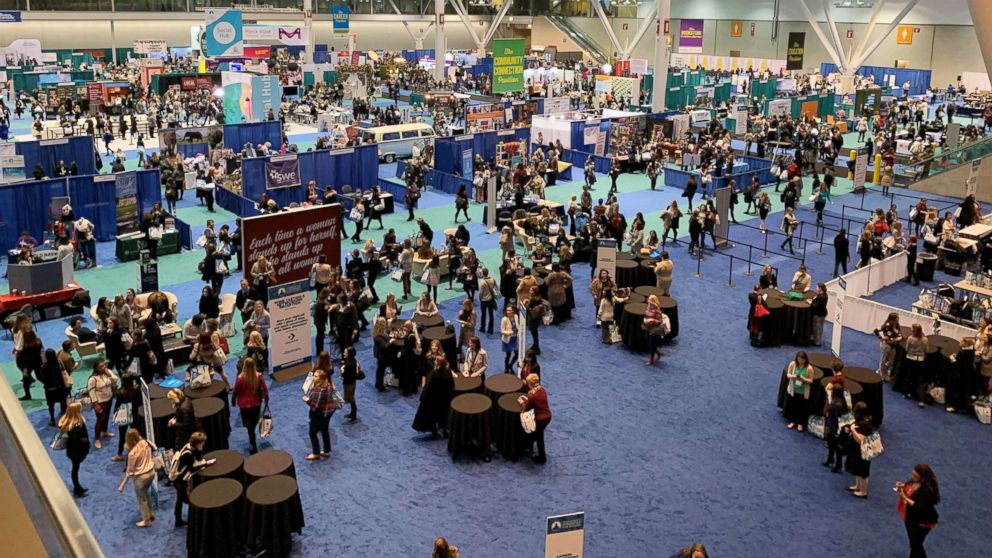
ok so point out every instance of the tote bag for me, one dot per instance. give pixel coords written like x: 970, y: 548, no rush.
x: 528, y: 422
x: 871, y: 446
x: 265, y: 425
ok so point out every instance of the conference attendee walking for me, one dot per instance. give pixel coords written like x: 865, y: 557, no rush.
x: 856, y: 465
x: 77, y: 442
x: 488, y: 293
x: 537, y: 400
x: 508, y: 335
x: 101, y: 386
x: 320, y: 399
x: 126, y: 402
x: 799, y: 376
x: 351, y: 372
x: 789, y: 224
x: 141, y: 468
x: 53, y: 376
x: 842, y: 251
x: 890, y: 335
x: 249, y: 393
x: 818, y: 308
x: 918, y: 499
x: 189, y: 461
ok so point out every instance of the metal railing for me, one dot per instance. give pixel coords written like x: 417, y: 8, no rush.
x: 943, y: 162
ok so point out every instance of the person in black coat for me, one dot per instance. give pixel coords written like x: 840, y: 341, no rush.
x: 918, y: 499
x: 209, y: 306
x: 408, y: 361
x: 321, y: 317
x: 435, y: 399
x: 690, y: 190
x: 153, y: 336
x: 842, y: 251
x: 960, y: 378
x: 77, y: 442
x: 50, y: 376
x: 208, y: 269
x: 373, y: 268
x: 911, y: 261
x: 244, y: 301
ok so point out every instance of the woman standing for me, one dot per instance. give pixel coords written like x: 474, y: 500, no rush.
x: 101, y: 386
x: 653, y: 325
x: 184, y: 421
x: 262, y: 276
x: 127, y: 396
x: 537, y: 400
x: 918, y: 499
x: 605, y: 316
x: 383, y: 350
x: 800, y: 379
x: 52, y: 376
x: 249, y: 393
x: 599, y: 286
x: 558, y: 283
x: 142, y: 469
x: 257, y: 350
x: 912, y: 380
x: 476, y: 360
x: 836, y: 409
x: 789, y: 224
x: 663, y: 272
x: 351, y: 372
x: 818, y: 307
x: 432, y: 276
x: 857, y: 466
x: 435, y: 399
x: 508, y: 335
x: 320, y: 400
x: 77, y: 442
x: 466, y: 321
x: 889, y: 334
x: 960, y: 379
x: 764, y: 206
x: 190, y: 460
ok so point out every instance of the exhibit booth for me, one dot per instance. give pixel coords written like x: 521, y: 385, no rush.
x: 48, y: 153
x: 457, y: 153
x: 892, y: 79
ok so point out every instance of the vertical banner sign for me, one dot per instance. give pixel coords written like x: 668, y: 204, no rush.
x: 224, y: 33
x: 740, y: 120
x: 467, y: 161
x: 238, y: 97
x: 971, y: 187
x: 126, y: 186
x: 860, y: 168
x: 266, y: 95
x: 796, y: 52
x: 606, y: 257
x: 292, y: 241
x: 736, y: 28
x: 341, y: 16
x: 691, y: 36
x: 508, y: 65
x: 282, y: 171
x: 11, y: 168
x: 952, y: 135
x: 565, y: 535
x: 838, y: 327
x: 289, y: 336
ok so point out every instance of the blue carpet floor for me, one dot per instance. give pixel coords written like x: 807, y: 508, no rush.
x: 693, y: 449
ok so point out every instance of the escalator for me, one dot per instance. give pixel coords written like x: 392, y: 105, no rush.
x: 580, y: 38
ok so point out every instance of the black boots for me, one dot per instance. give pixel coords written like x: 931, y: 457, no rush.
x: 26, y: 381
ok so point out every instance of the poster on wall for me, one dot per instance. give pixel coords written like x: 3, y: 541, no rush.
x: 638, y: 66
x: 601, y: 142
x: 779, y: 107
x: 740, y: 120
x: 556, y: 105
x: 282, y: 171
x: 860, y: 169
x: 341, y: 16
x: 237, y: 96
x: 126, y: 189
x: 224, y: 34
x: 691, y: 35
x: 590, y: 132
x: 151, y: 47
x: 565, y: 535
x: 290, y: 350
x: 21, y: 52
x: 797, y: 51
x: 292, y: 240
x: 508, y: 65
x: 191, y: 141
x: 971, y: 187
x: 11, y: 168
x: 487, y: 116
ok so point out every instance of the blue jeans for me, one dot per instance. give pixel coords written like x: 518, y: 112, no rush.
x: 88, y: 249
x: 320, y: 424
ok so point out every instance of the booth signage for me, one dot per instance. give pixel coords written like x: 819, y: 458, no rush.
x: 258, y: 52
x: 508, y: 65
x: 691, y: 35
x: 12, y: 168
x: 289, y: 340
x: 151, y: 47
x: 860, y: 169
x: 10, y: 16
x: 282, y: 172
x: 341, y: 16
x: 126, y: 187
x: 224, y: 36
x: 293, y: 240
x: 796, y: 52
x: 266, y: 93
x: 565, y: 536
x: 838, y: 327
x: 282, y: 34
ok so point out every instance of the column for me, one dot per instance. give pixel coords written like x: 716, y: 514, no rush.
x: 439, y: 48
x: 981, y: 16
x: 660, y: 86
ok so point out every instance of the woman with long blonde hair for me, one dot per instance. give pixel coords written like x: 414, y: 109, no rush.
x: 77, y: 442
x: 140, y: 467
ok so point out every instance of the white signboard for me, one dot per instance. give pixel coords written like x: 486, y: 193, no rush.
x: 12, y: 168
x: 589, y: 134
x: 838, y: 327
x: 971, y: 187
x: 740, y: 120
x: 150, y: 47
x: 289, y: 336
x: 556, y: 105
x: 860, y: 168
x: 680, y: 125
x: 606, y: 257
x: 283, y: 34
x: 565, y: 535
x: 779, y: 107
x: 638, y: 66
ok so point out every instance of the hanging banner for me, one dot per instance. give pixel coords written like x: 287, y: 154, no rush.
x: 638, y: 66
x: 838, y: 326
x: 265, y: 95
x: 292, y: 240
x: 508, y: 65
x: 691, y: 35
x: 237, y: 96
x: 282, y: 172
x: 860, y: 169
x: 151, y: 47
x: 224, y: 36
x: 971, y: 187
x: 282, y: 34
x: 341, y: 15
x: 258, y: 52
x: 796, y: 51
x: 21, y: 52
x: 126, y: 188
x: 289, y: 335
x: 10, y: 16
x: 565, y: 535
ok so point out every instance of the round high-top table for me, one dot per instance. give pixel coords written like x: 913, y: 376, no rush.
x: 645, y: 272
x: 214, y: 420
x: 423, y: 322
x: 229, y: 464
x: 273, y: 513
x: 630, y: 326
x: 215, y: 519
x: 872, y: 392
x: 818, y: 398
x: 816, y: 386
x: 508, y: 433
x: 447, y: 339
x: 217, y: 389
x: 469, y: 425
x: 648, y: 290
x: 269, y: 463
x: 156, y: 391
x: 502, y: 384
x: 823, y: 361
x: 627, y: 275
x: 162, y: 411
x: 467, y: 385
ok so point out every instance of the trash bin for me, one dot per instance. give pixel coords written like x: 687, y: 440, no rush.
x: 926, y: 263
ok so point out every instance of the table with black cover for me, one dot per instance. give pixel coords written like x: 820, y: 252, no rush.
x: 798, y: 318
x: 162, y: 411
x: 467, y: 385
x: 273, y: 512
x: 156, y: 391
x: 773, y: 326
x: 501, y: 384
x: 631, y: 333
x: 818, y: 399
x: 648, y: 290
x: 816, y: 386
x: 872, y: 392
x: 508, y: 433
x: 216, y: 389
x: 215, y: 519
x: 469, y: 427
x: 823, y: 361
x: 627, y: 274
x: 670, y: 307
x: 229, y: 464
x: 937, y: 361
x: 424, y: 322
x: 447, y: 339
x: 214, y: 420
x: 269, y: 463
x: 645, y: 272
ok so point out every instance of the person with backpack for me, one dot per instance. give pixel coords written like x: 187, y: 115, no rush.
x: 185, y: 464
x: 248, y: 395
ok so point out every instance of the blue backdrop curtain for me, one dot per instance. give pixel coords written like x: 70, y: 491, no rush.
x: 356, y: 167
x: 48, y: 153
x: 237, y: 135
x: 97, y: 201
x: 919, y: 80
x: 24, y: 207
x: 149, y: 190
x: 238, y: 205
x: 447, y: 154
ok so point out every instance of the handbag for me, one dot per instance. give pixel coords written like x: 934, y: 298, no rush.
x: 528, y: 421
x: 360, y: 373
x: 938, y: 394
x: 381, y: 206
x: 122, y: 417
x: 59, y: 441
x: 308, y: 382
x: 760, y: 311
x: 160, y: 461
x: 983, y: 412
x: 265, y: 425
x: 356, y: 214
x: 396, y: 275
x: 201, y: 377
x: 817, y: 425
x: 871, y: 446
x: 615, y: 336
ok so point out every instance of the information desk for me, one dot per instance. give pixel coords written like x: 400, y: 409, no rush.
x: 12, y: 303
x: 128, y: 245
x: 385, y: 197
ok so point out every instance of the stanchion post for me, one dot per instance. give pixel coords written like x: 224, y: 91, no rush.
x: 749, y: 273
x: 699, y: 261
x: 801, y: 223
x: 765, y: 249
x: 730, y: 273
x: 820, y: 252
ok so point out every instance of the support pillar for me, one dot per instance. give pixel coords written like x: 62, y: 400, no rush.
x: 662, y: 16
x: 981, y: 16
x: 439, y: 40
x: 308, y: 24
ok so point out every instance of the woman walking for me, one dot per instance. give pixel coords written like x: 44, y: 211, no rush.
x: 351, y: 372
x: 142, y: 469
x: 77, y: 442
x: 249, y: 393
x: 53, y: 377
x: 320, y: 400
x: 918, y: 499
x: 508, y: 335
x: 101, y: 387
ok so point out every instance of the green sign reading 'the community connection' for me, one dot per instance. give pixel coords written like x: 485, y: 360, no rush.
x: 508, y: 65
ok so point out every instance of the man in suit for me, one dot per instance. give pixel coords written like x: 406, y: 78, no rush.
x: 85, y: 334
x: 842, y: 251
x: 911, y: 261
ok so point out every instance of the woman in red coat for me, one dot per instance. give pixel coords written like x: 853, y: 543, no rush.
x: 537, y: 399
